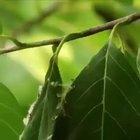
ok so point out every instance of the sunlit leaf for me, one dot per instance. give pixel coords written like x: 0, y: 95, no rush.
x: 104, y: 101
x: 10, y: 115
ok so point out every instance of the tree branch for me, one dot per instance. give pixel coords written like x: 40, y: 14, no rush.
x: 37, y: 20
x: 85, y: 33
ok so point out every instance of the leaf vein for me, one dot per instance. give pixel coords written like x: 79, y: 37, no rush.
x: 8, y: 108
x: 88, y: 113
x: 123, y: 69
x: 115, y: 120
x: 123, y: 94
x: 10, y: 127
x: 92, y: 85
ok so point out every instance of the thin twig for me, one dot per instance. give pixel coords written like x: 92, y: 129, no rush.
x: 85, y: 33
x: 37, y: 20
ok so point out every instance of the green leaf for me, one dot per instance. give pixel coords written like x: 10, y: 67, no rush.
x: 126, y: 2
x: 24, y: 85
x: 117, y: 10
x: 138, y: 60
x: 51, y: 102
x: 103, y: 103
x: 132, y: 60
x: 0, y: 28
x: 44, y: 114
x: 43, y: 117
x: 10, y: 115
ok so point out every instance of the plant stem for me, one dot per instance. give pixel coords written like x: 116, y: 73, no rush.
x: 26, y: 27
x: 85, y: 33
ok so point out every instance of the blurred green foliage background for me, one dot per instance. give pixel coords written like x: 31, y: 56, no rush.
x: 24, y: 71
